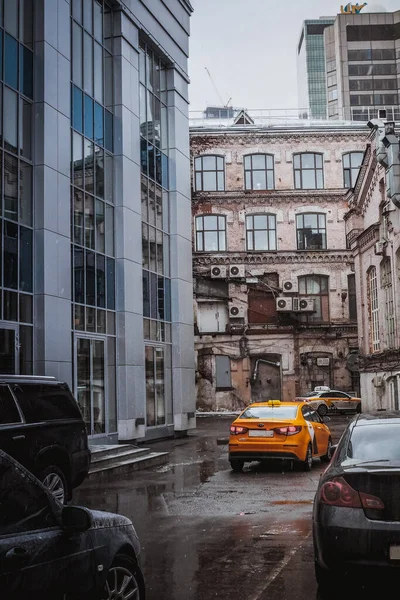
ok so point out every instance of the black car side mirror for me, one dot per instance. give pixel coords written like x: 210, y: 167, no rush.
x: 75, y: 519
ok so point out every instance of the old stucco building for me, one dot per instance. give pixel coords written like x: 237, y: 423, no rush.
x: 274, y: 294
x: 373, y: 232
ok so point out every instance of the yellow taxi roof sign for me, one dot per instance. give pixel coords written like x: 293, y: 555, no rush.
x: 274, y: 402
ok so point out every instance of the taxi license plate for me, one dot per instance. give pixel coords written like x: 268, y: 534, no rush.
x: 259, y: 433
x: 394, y: 552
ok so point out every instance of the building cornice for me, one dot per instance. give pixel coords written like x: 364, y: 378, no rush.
x: 255, y: 197
x: 259, y: 134
x: 272, y: 258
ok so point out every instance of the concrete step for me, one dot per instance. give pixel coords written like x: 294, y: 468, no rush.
x: 115, y: 455
x: 101, y: 471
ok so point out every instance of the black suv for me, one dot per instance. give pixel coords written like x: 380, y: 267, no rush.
x: 42, y: 427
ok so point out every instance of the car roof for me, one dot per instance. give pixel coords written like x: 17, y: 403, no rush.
x: 378, y: 418
x: 267, y: 403
x: 30, y: 379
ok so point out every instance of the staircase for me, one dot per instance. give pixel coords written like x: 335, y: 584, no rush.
x: 121, y: 459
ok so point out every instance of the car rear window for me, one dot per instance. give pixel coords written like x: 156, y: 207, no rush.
x: 310, y: 395
x: 375, y: 442
x: 46, y: 402
x: 270, y: 412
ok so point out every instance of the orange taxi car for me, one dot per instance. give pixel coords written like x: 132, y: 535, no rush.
x: 275, y: 429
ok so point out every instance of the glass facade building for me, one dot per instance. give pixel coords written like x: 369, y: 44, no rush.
x: 312, y: 91
x: 91, y: 291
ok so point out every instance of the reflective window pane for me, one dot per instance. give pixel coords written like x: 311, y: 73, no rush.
x: 100, y: 235
x: 108, y: 130
x: 78, y: 216
x: 26, y: 350
x: 99, y: 171
x: 89, y: 166
x: 90, y: 273
x: 10, y: 249
x: 11, y: 17
x: 10, y: 306
x: 87, y: 62
x: 108, y: 79
x: 26, y: 262
x: 110, y: 284
x: 10, y: 123
x: 26, y: 72
x: 108, y: 177
x: 77, y: 54
x: 79, y: 276
x: 100, y: 281
x: 98, y: 72
x: 79, y: 317
x: 10, y: 209
x: 77, y: 10
x: 77, y: 109
x: 25, y: 128
x: 98, y: 124
x: 25, y: 192
x: 98, y: 21
x: 26, y: 22
x: 88, y: 15
x: 10, y: 60
x: 88, y: 117
x: 89, y: 221
x: 25, y: 308
x: 77, y: 159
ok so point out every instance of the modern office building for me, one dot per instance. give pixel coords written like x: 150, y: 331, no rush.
x: 96, y: 285
x: 362, y: 64
x: 311, y: 79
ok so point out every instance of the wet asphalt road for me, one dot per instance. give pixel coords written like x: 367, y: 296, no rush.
x: 207, y: 532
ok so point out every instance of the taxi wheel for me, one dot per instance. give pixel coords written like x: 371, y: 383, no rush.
x: 327, y: 457
x: 307, y: 464
x: 322, y: 410
x: 237, y: 465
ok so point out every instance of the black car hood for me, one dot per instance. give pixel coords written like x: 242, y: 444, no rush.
x: 101, y: 520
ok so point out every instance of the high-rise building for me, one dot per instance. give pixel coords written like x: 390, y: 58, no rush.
x: 362, y: 64
x: 311, y: 77
x: 95, y: 260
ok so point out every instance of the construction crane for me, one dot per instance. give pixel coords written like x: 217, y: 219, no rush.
x: 216, y: 89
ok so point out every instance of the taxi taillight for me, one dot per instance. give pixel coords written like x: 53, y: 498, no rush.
x: 235, y: 430
x: 289, y: 430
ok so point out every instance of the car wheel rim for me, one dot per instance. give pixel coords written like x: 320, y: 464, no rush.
x: 121, y: 585
x: 55, y: 485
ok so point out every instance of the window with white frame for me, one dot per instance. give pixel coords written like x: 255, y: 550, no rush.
x: 373, y: 306
x: 308, y: 171
x: 261, y: 232
x: 351, y: 167
x: 387, y: 286
x: 311, y: 231
x: 210, y: 233
x: 259, y: 172
x: 209, y: 174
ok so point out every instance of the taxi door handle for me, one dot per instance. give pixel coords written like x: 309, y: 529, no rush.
x: 18, y: 437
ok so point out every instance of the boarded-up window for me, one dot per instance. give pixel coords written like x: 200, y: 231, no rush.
x: 351, y: 283
x: 262, y: 307
x: 223, y: 372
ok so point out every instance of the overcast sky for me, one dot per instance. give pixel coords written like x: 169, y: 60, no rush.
x: 249, y: 47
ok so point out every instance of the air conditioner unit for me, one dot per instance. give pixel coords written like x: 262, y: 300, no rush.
x: 236, y: 271
x: 284, y: 304
x: 323, y: 362
x: 236, y: 311
x: 306, y: 304
x: 218, y: 272
x: 380, y: 248
x: 290, y: 286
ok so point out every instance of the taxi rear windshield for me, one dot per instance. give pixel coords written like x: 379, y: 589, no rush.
x: 310, y: 395
x: 270, y: 412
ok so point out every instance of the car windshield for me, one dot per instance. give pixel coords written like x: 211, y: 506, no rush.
x: 270, y: 413
x: 374, y: 443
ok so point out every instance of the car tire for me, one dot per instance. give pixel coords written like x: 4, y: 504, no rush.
x: 55, y: 481
x: 326, y: 457
x: 307, y: 463
x: 237, y: 465
x: 322, y: 410
x: 117, y: 586
x: 358, y: 408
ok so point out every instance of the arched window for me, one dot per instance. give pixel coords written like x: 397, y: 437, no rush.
x: 387, y: 286
x: 210, y: 233
x: 311, y: 231
x: 261, y: 232
x: 373, y: 310
x: 209, y: 174
x: 315, y: 287
x: 259, y: 172
x: 351, y: 167
x: 308, y: 171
